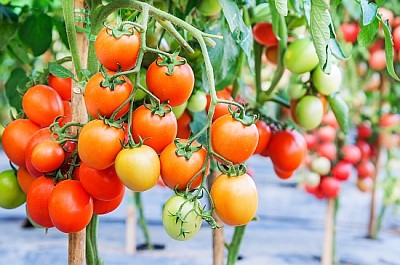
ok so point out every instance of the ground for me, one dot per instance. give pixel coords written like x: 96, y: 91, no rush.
x: 289, y: 230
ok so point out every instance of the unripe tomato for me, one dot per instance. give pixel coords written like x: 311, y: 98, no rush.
x: 296, y: 91
x: 309, y: 112
x: 11, y: 195
x: 321, y: 165
x: 350, y: 31
x: 300, y: 56
x: 327, y: 84
x: 330, y: 187
x: 63, y: 86
x: 37, y: 201
x: 312, y: 179
x: 264, y: 34
x: 179, y: 110
x: 197, y: 102
x: 208, y: 7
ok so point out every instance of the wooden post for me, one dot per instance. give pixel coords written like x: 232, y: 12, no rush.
x: 327, y: 252
x: 130, y: 225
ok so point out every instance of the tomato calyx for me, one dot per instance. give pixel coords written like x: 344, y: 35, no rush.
x: 171, y: 61
x: 239, y: 114
x: 111, y: 81
x: 120, y: 29
x: 158, y: 109
x: 185, y: 149
x: 232, y: 170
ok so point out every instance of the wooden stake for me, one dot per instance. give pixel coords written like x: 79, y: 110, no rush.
x: 130, y: 229
x: 327, y: 252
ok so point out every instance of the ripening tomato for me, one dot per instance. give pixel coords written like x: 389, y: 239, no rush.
x: 103, y: 101
x: 42, y: 135
x: 100, y: 184
x: 160, y: 131
x: 104, y: 207
x: 272, y: 54
x: 326, y: 133
x: 175, y: 88
x: 330, y: 119
x: 311, y: 140
x: 47, y: 156
x: 42, y: 105
x: 117, y: 52
x: 235, y: 199
x: 389, y: 119
x: 330, y: 187
x: 25, y: 179
x: 99, y: 144
x: 386, y: 14
x: 264, y: 34
x: 37, y: 201
x: 232, y: 139
x: 351, y: 154
x: 220, y: 109
x: 365, y: 184
x: 138, y: 168
x: 350, y: 31
x: 264, y: 135
x: 63, y: 86
x: 70, y: 206
x: 15, y: 139
x: 177, y: 171
x: 184, y: 125
x: 365, y: 169
x: 327, y: 150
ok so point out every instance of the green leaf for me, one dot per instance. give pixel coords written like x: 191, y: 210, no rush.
x: 389, y: 50
x: 352, y: 8
x: 36, y: 32
x: 341, y: 111
x: 281, y: 7
x: 335, y: 47
x: 241, y: 33
x: 16, y: 83
x: 275, y: 17
x: 18, y: 50
x: 59, y: 70
x: 197, y: 124
x: 369, y: 11
x: 8, y: 26
x: 367, y: 33
x: 60, y: 26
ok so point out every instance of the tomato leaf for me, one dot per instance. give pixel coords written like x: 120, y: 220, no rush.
x: 335, y: 47
x: 197, y: 124
x: 36, y: 32
x: 60, y: 26
x: 389, y: 50
x: 341, y: 111
x: 8, y: 25
x: 367, y: 33
x: 241, y: 33
x: 369, y: 11
x: 16, y: 83
x: 59, y: 70
x: 281, y: 7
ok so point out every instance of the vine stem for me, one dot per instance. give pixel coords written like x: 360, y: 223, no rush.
x: 234, y: 246
x: 142, y: 220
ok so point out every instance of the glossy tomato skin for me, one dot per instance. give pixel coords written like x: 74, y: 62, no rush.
x: 342, y: 171
x: 177, y: 171
x: 264, y: 34
x: 100, y: 184
x: 351, y: 154
x: 11, y: 195
x: 138, y: 168
x: 104, y: 101
x: 283, y: 174
x: 15, y: 139
x: 103, y: 207
x: 300, y: 56
x: 99, y: 144
x: 264, y: 135
x: 70, y: 206
x: 63, y: 86
x: 160, y: 130
x: 309, y: 112
x: 114, y: 52
x: 235, y: 199
x: 40, y: 136
x: 34, y: 107
x: 220, y: 109
x: 232, y: 139
x: 25, y: 179
x: 37, y: 201
x: 47, y: 156
x: 175, y: 88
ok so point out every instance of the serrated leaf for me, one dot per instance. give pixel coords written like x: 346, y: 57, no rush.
x: 389, y: 50
x: 59, y: 70
x: 281, y: 7
x: 369, y: 10
x: 367, y: 33
x: 17, y: 81
x: 341, y: 111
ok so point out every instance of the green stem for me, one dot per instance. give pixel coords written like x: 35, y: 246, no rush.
x: 379, y: 221
x: 335, y: 258
x: 258, y: 48
x: 92, y: 254
x: 234, y: 246
x: 142, y: 220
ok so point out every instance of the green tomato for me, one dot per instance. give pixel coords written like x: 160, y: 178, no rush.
x: 11, y: 195
x: 178, y: 110
x: 327, y: 84
x: 309, y: 112
x: 321, y: 165
x: 176, y: 227
x: 312, y: 179
x: 296, y: 91
x: 209, y: 7
x: 197, y: 101
x: 300, y: 56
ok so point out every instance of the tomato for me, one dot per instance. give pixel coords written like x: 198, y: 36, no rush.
x: 351, y: 154
x: 321, y: 165
x: 235, y: 199
x: 296, y: 91
x: 179, y: 110
x: 138, y: 168
x: 342, y: 170
x: 37, y: 201
x: 70, y: 206
x: 15, y: 139
x: 160, y: 131
x: 311, y: 141
x: 364, y: 130
x: 330, y: 187
x: 47, y: 156
x: 389, y: 120
x: 365, y: 184
x: 326, y: 133
x: 283, y: 174
x: 184, y: 125
x: 175, y: 88
x: 232, y: 139
x: 42, y: 135
x: 327, y: 84
x: 104, y: 207
x: 350, y: 31
x: 312, y: 179
x: 11, y: 195
x: 34, y: 107
x: 25, y: 179
x: 264, y: 135
x: 115, y: 52
x: 365, y: 169
x: 220, y: 109
x: 100, y: 184
x: 272, y: 54
x: 327, y: 150
x: 377, y: 60
x: 287, y: 149
x: 330, y: 119
x: 264, y: 35
x: 104, y: 101
x: 177, y: 171
x: 180, y: 218
x: 99, y: 144
x: 365, y: 148
x: 386, y: 14
x: 309, y: 112
x: 67, y: 114
x: 197, y: 101
x: 63, y: 86
x: 208, y: 7
x: 300, y: 56
x: 396, y: 38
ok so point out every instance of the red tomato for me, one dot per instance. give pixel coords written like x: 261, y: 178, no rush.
x: 327, y: 150
x: 389, y: 119
x: 115, y: 52
x: 342, y: 170
x: 264, y: 34
x: 24, y: 179
x: 104, y: 101
x: 330, y: 187
x: 364, y: 130
x: 272, y: 54
x: 67, y: 114
x: 326, y: 133
x: 70, y: 206
x: 311, y: 141
x: 184, y: 125
x: 350, y: 31
x: 175, y: 88
x: 283, y: 174
x: 47, y: 156
x: 42, y: 105
x: 365, y: 148
x: 264, y: 135
x: 159, y: 131
x: 99, y: 144
x: 15, y: 139
x: 40, y: 136
x: 396, y: 37
x: 101, y: 184
x: 104, y: 207
x: 365, y: 169
x: 220, y: 109
x: 37, y: 201
x: 232, y: 139
x: 377, y: 60
x: 351, y: 154
x: 63, y: 86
